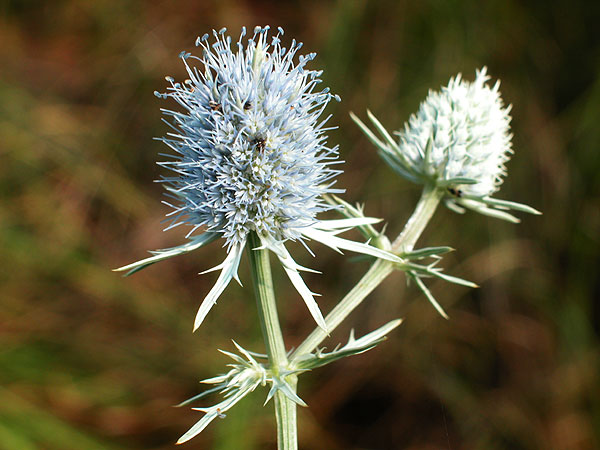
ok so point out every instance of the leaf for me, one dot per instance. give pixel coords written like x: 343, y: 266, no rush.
x: 452, y: 279
x: 510, y: 205
x: 337, y: 243
x: 292, y: 271
x: 353, y: 347
x: 401, y: 162
x: 229, y: 269
x: 370, y: 135
x: 426, y: 252
x: 159, y: 255
x: 455, y: 181
x: 429, y: 295
x: 379, y: 127
x: 497, y: 214
x: 378, y: 239
x: 279, y: 384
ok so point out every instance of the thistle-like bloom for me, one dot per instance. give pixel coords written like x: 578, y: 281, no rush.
x: 250, y: 156
x: 458, y: 140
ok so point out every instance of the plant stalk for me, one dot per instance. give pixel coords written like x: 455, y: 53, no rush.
x: 285, y: 409
x: 430, y: 198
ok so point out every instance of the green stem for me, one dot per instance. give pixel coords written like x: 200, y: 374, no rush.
x: 430, y: 198
x: 285, y: 409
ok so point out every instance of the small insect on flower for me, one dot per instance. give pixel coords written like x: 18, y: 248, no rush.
x: 259, y: 143
x: 214, y: 105
x: 455, y: 192
x: 225, y: 184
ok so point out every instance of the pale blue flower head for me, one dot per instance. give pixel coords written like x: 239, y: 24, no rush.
x: 458, y: 140
x: 250, y: 155
x: 250, y: 149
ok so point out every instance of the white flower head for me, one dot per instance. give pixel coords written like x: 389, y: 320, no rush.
x: 251, y: 156
x: 459, y: 140
x: 467, y: 128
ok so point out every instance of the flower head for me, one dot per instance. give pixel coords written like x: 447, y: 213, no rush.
x: 467, y: 129
x: 459, y: 140
x: 251, y: 155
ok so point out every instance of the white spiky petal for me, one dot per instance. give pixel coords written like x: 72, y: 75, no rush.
x: 250, y: 156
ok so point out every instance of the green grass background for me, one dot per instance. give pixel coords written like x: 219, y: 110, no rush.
x: 90, y: 360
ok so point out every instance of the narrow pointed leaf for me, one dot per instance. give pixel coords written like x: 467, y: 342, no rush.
x: 282, y: 386
x: 159, y: 255
x: 337, y: 243
x: 453, y: 279
x: 510, y: 205
x: 353, y: 347
x: 427, y: 252
x: 213, y: 412
x: 430, y: 296
x: 346, y: 223
x: 401, y: 169
x: 356, y: 212
x: 384, y: 133
x: 370, y: 135
x: 228, y: 271
x: 497, y: 214
x: 455, y: 181
x: 378, y: 334
x: 452, y: 205
x: 291, y: 269
x: 406, y: 164
x: 199, y: 396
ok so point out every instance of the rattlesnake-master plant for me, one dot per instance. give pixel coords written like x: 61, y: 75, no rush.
x: 250, y: 166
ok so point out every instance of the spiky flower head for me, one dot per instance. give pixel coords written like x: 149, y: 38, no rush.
x: 251, y: 152
x: 251, y: 155
x: 459, y: 140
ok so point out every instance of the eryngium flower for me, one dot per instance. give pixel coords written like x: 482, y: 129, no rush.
x: 458, y: 140
x: 250, y: 156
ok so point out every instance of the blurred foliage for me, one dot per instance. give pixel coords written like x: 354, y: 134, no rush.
x: 91, y: 360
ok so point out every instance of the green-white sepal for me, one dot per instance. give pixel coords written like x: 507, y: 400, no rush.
x: 451, y: 182
x: 375, y: 238
x: 388, y: 148
x: 432, y: 271
x: 353, y: 347
x: 426, y: 252
x: 489, y: 206
x: 158, y: 255
x: 412, y: 276
x: 415, y: 272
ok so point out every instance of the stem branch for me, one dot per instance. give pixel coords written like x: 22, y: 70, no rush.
x: 430, y: 198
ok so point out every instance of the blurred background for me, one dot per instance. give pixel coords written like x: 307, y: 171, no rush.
x: 91, y: 360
